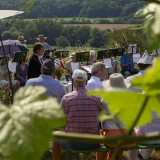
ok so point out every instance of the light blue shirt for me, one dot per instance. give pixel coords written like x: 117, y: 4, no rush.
x: 54, y: 87
x: 46, y: 46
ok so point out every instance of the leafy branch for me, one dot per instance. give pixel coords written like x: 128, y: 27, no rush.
x: 28, y: 6
x: 152, y: 22
x: 28, y: 123
x: 139, y: 115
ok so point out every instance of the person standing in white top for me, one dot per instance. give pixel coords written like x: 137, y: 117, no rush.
x: 99, y: 73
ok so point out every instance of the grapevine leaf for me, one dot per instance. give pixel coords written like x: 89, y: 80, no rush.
x: 104, y: 116
x: 151, y: 14
x: 150, y: 81
x: 26, y: 127
x: 126, y: 105
x: 28, y: 6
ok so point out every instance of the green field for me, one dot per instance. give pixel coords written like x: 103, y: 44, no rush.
x: 80, y: 19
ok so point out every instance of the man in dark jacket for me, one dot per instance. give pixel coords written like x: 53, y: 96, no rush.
x: 35, y: 63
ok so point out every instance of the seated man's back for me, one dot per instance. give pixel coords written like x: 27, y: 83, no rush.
x: 54, y: 87
x: 81, y: 112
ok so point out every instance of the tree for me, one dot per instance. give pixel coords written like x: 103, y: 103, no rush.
x: 72, y: 8
x: 7, y: 34
x: 62, y: 42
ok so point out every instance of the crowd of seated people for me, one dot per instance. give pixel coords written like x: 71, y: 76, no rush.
x: 81, y: 110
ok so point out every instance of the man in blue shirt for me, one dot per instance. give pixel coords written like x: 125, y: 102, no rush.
x: 42, y: 39
x: 54, y: 87
x: 127, y: 65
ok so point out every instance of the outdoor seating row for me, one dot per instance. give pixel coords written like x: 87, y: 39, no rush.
x: 103, y: 148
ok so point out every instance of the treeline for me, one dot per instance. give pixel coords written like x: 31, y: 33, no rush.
x: 76, y: 8
x: 57, y: 34
x: 124, y: 20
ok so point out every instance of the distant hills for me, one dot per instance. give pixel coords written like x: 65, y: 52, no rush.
x: 76, y: 8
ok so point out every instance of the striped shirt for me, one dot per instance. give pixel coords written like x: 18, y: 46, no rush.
x: 81, y: 112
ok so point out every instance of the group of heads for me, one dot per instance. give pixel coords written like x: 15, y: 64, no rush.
x: 116, y: 80
x: 99, y: 70
x: 80, y: 77
x: 38, y: 47
x: 41, y: 38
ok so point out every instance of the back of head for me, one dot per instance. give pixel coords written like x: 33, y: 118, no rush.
x: 79, y: 78
x: 96, y: 67
x: 37, y: 46
x: 48, y: 67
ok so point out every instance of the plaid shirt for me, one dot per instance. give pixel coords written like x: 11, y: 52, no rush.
x: 81, y: 112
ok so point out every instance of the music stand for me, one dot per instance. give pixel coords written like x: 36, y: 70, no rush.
x: 79, y: 57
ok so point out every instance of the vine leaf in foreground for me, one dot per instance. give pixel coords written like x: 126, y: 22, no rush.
x: 150, y: 82
x: 26, y: 126
x: 151, y: 14
x: 126, y: 105
x: 28, y: 6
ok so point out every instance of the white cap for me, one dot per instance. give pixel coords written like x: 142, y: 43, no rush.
x: 145, y: 59
x: 80, y: 75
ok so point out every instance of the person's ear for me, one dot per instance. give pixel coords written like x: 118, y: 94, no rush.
x: 41, y: 70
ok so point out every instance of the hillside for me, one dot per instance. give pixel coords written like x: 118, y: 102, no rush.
x: 76, y: 8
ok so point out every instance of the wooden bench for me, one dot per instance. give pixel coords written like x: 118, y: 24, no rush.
x: 102, y: 148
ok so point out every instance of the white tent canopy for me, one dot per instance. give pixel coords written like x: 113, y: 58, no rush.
x: 9, y: 13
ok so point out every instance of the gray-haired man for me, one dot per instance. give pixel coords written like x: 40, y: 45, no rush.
x: 99, y: 73
x: 54, y: 87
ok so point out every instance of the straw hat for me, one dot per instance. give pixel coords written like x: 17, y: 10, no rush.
x: 145, y: 59
x: 21, y: 39
x: 41, y: 37
x: 116, y: 80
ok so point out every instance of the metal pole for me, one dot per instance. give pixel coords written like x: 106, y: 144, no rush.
x: 10, y: 81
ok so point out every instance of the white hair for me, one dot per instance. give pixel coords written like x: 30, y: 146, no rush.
x: 96, y: 67
x: 92, y: 53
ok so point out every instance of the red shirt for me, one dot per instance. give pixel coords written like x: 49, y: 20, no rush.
x: 81, y: 112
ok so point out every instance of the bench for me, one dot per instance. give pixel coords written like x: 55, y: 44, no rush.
x: 102, y: 148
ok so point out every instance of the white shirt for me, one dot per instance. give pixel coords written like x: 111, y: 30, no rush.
x: 94, y: 83
x: 40, y: 59
x: 130, y: 78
